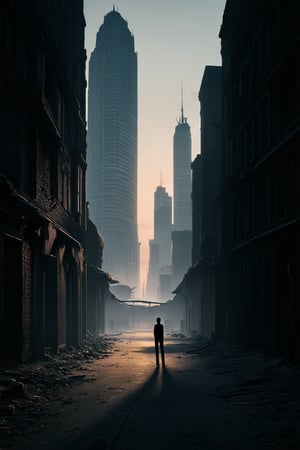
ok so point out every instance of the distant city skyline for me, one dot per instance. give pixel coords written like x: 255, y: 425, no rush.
x: 174, y: 42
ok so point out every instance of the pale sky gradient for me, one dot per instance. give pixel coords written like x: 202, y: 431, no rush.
x: 174, y: 41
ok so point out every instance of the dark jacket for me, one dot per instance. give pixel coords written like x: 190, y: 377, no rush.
x: 158, y: 332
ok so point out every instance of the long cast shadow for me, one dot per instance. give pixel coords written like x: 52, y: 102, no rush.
x: 167, y: 392
x: 103, y: 435
x: 94, y: 437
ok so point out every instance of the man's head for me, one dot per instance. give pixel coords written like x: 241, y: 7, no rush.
x: 158, y: 320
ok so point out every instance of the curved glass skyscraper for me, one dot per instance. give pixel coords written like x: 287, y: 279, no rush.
x: 112, y: 147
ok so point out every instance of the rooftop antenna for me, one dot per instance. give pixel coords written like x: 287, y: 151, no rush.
x: 182, y: 117
x: 161, y: 178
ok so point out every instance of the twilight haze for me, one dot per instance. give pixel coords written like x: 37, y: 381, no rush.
x: 174, y: 42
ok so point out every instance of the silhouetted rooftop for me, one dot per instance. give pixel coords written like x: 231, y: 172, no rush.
x: 114, y: 16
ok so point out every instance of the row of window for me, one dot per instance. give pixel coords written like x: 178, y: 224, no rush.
x: 256, y: 58
x: 267, y: 197
x: 262, y: 130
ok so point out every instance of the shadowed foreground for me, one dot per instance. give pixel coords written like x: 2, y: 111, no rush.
x: 173, y: 408
x: 191, y: 404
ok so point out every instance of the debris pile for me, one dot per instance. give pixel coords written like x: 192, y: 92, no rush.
x: 175, y: 334
x: 28, y: 391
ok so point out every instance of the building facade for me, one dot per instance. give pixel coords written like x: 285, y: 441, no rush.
x: 98, y: 282
x: 200, y: 283
x: 261, y: 187
x: 112, y: 147
x: 181, y: 255
x: 209, y: 209
x: 42, y: 178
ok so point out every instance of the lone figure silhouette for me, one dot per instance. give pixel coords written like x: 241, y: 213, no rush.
x: 159, y: 338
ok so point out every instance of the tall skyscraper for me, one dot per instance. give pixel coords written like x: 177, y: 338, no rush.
x: 182, y: 186
x: 112, y: 147
x: 182, y: 178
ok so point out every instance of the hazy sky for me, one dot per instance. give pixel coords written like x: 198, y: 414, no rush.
x: 174, y: 41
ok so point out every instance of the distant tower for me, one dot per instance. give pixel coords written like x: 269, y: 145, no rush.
x: 153, y: 271
x: 182, y: 185
x: 161, y: 245
x: 182, y: 178
x: 163, y: 224
x: 112, y: 147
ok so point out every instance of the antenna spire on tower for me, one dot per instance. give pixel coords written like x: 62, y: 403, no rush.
x: 182, y: 117
x: 161, y: 178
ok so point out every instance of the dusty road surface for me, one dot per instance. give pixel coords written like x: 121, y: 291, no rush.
x: 129, y: 404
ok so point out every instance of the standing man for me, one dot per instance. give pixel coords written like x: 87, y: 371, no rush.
x: 159, y: 338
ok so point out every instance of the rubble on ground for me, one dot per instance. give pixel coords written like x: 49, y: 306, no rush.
x: 178, y: 335
x: 28, y: 391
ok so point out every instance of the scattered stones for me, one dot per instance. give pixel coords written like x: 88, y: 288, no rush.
x: 28, y: 391
x: 177, y: 335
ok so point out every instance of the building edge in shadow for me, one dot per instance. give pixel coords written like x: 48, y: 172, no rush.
x: 42, y: 182
x: 261, y: 136
x: 243, y: 286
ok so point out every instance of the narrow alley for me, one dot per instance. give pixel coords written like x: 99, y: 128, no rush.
x: 116, y: 212
x: 209, y: 397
